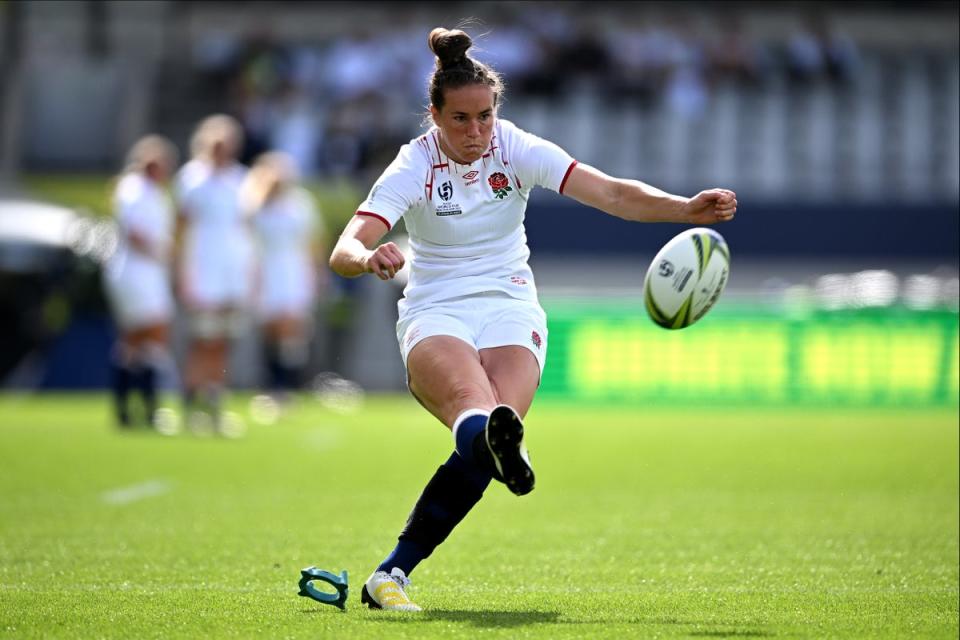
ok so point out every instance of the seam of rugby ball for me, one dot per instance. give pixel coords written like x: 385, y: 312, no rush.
x: 682, y: 318
x: 698, y: 245
x: 658, y: 316
x: 710, y: 244
x: 722, y: 248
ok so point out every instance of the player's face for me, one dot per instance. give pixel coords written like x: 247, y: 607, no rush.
x: 223, y: 152
x: 466, y: 122
x: 160, y: 170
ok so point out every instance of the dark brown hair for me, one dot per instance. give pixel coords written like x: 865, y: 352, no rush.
x: 455, y: 68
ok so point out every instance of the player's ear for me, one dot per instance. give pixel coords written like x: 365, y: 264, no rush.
x: 435, y: 114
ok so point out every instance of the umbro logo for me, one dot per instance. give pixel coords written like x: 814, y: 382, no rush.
x: 471, y: 177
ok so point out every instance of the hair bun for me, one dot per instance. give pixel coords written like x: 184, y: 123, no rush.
x: 449, y: 45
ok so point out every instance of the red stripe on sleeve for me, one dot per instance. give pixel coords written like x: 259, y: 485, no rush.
x: 374, y: 215
x: 567, y: 175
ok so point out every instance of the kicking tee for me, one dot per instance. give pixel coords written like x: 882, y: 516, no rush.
x: 465, y: 222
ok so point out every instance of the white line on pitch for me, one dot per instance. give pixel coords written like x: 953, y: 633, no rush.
x: 135, y: 492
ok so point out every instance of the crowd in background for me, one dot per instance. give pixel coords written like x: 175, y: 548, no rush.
x: 341, y: 106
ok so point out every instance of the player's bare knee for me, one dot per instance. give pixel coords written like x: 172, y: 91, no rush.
x: 467, y: 394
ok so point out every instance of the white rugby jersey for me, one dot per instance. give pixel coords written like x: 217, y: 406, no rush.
x: 209, y: 199
x: 142, y: 207
x: 285, y: 228
x: 285, y: 225
x: 466, y: 221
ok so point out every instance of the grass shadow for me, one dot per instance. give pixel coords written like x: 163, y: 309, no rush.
x: 484, y: 619
x: 495, y: 619
x: 512, y: 619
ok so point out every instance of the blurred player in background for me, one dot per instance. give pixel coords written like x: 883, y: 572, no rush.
x: 137, y: 276
x: 215, y: 260
x: 471, y: 331
x: 289, y: 236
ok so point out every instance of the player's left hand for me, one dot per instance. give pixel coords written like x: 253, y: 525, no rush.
x: 710, y: 206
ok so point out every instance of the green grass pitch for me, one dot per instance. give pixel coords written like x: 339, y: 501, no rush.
x: 645, y: 523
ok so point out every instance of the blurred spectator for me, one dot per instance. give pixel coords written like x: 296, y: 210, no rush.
x: 262, y: 69
x: 137, y: 278
x: 290, y: 237
x: 585, y: 56
x: 659, y: 64
x: 734, y: 56
x: 820, y: 51
x: 215, y: 261
x: 686, y: 91
x: 550, y: 28
x: 842, y: 55
x: 637, y: 79
x: 510, y: 49
x: 294, y: 128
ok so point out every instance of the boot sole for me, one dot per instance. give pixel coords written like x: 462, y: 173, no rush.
x: 504, y: 437
x: 367, y: 600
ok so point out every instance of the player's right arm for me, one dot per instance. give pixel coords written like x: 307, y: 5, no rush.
x: 357, y: 251
x: 129, y: 202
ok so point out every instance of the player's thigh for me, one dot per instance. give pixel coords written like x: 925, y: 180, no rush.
x: 513, y: 349
x: 514, y: 374
x: 445, y: 374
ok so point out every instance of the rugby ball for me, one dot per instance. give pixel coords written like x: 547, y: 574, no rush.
x: 686, y: 278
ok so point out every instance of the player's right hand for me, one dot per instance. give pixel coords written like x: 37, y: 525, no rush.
x: 385, y: 261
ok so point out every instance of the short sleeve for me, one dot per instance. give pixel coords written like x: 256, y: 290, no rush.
x: 397, y: 189
x: 184, y: 186
x: 127, y: 198
x: 536, y: 161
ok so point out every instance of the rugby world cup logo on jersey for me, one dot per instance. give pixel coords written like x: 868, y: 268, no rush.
x: 445, y: 191
x: 500, y: 185
x: 447, y: 208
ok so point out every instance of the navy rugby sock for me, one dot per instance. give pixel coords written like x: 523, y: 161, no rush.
x: 445, y: 501
x: 121, y: 379
x: 146, y: 380
x: 465, y: 433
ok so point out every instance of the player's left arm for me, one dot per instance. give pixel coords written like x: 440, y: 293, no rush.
x: 640, y: 202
